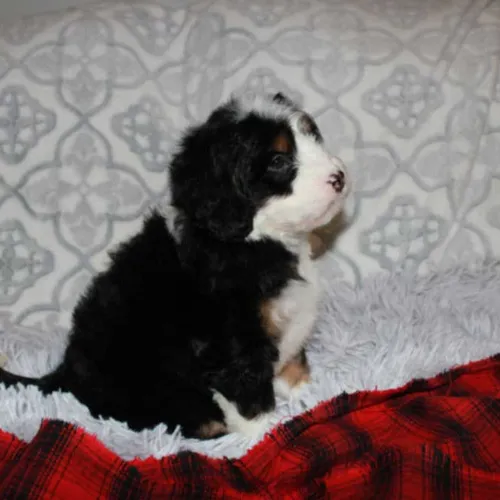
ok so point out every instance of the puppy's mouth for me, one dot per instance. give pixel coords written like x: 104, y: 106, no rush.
x: 333, y: 207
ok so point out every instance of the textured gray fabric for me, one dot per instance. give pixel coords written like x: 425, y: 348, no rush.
x: 381, y: 335
x: 407, y: 92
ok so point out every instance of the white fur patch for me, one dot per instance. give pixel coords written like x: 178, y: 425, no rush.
x: 263, y: 105
x: 296, y: 308
x: 235, y: 422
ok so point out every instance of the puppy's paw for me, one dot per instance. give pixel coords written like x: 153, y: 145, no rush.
x: 235, y: 422
x: 296, y: 371
x: 211, y: 430
x: 293, y: 377
x: 285, y: 391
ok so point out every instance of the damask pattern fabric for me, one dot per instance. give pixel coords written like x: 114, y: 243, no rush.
x: 407, y: 93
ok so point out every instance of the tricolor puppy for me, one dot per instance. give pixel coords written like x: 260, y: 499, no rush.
x: 204, y: 313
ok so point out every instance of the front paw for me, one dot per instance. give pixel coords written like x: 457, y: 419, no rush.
x: 235, y: 422
x: 293, y: 376
x: 211, y: 429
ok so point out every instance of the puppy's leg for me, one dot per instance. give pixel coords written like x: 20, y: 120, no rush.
x: 247, y: 411
x: 293, y: 375
x: 190, y: 406
x: 244, y: 390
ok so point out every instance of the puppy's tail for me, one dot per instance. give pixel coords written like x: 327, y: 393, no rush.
x: 48, y: 383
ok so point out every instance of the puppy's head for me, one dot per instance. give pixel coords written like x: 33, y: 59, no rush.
x: 257, y: 168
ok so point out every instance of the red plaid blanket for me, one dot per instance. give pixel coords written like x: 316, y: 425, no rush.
x: 433, y: 439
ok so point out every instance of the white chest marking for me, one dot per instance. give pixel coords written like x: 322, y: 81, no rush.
x: 295, y: 309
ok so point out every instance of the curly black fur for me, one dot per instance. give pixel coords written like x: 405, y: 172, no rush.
x: 177, y: 315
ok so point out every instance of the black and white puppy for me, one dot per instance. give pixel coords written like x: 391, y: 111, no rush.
x: 203, y: 314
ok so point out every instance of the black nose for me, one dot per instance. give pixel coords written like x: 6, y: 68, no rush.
x: 337, y: 181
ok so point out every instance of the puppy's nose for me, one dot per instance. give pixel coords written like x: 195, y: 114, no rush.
x: 337, y: 181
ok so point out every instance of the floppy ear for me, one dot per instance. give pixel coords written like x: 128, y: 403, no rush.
x: 226, y: 215
x: 210, y: 204
x: 205, y: 175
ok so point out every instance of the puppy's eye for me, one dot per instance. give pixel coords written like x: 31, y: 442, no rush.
x: 277, y: 162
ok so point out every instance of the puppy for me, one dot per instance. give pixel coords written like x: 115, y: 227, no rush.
x: 204, y: 313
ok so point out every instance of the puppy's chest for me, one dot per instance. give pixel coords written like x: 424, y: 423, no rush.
x: 289, y: 318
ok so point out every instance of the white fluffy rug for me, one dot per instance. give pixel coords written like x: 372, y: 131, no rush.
x: 391, y: 330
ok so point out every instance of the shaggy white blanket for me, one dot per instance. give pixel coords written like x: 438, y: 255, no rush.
x: 393, y: 329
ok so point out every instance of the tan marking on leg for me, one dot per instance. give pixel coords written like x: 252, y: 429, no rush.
x: 211, y: 429
x: 296, y: 371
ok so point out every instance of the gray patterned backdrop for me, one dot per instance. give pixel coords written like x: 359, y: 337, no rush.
x: 407, y: 92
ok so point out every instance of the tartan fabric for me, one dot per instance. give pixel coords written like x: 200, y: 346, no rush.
x: 434, y: 439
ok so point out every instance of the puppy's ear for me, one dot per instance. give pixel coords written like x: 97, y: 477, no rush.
x: 227, y: 216
x: 223, y: 114
x: 208, y: 177
x: 211, y: 203
x: 281, y: 98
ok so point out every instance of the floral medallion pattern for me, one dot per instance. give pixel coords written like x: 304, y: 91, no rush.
x: 23, y: 122
x: 404, y: 101
x: 148, y: 132
x: 22, y: 261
